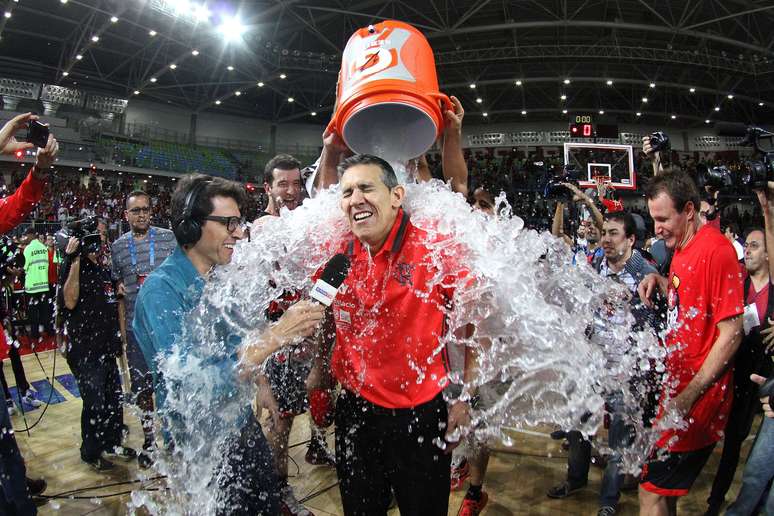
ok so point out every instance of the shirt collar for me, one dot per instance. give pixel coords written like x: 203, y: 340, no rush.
x: 183, y: 265
x: 394, y: 241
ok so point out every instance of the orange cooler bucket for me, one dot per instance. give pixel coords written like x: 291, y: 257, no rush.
x: 388, y: 100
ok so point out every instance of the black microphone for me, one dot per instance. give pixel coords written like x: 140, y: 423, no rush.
x: 325, y: 289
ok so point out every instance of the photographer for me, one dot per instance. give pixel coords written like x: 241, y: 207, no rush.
x: 15, y: 492
x: 91, y: 322
x: 592, y: 232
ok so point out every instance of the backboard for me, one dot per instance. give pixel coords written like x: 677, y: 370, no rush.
x: 593, y: 160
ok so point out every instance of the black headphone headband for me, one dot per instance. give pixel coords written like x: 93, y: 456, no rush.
x: 188, y: 230
x: 192, y: 197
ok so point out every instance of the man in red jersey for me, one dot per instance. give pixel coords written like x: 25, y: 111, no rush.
x: 392, y: 421
x: 704, y: 297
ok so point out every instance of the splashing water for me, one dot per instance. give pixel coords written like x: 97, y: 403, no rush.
x: 522, y: 294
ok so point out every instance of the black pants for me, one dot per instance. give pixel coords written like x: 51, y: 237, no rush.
x: 39, y: 314
x: 14, y: 495
x: 246, y: 480
x: 18, y: 373
x: 378, y: 449
x: 737, y: 429
x: 102, y: 415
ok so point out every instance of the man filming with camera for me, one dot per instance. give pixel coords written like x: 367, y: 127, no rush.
x: 91, y: 321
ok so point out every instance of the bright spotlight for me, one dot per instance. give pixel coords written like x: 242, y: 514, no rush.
x: 153, y: 79
x: 231, y: 29
x: 479, y: 100
x: 173, y: 66
x: 609, y: 82
x: 730, y: 96
x: 194, y: 53
x: 707, y: 121
x: 237, y: 93
x: 79, y: 57
x: 760, y: 104
x: 230, y: 68
x: 484, y: 114
x: 113, y: 19
x: 152, y: 33
x: 136, y: 92
x: 291, y: 99
x: 717, y: 108
x: 563, y: 97
x: 473, y: 86
x: 639, y: 114
x: 518, y: 83
x: 523, y: 112
x: 692, y: 90
x: 567, y: 81
x: 65, y: 74
x: 652, y: 84
x: 601, y: 112
x: 260, y: 85
x: 283, y: 76
x: 564, y: 111
x: 7, y: 14
x: 313, y: 113
x: 217, y: 103
x: 201, y: 13
x: 645, y: 99
x: 180, y: 6
x: 95, y: 38
x: 673, y: 117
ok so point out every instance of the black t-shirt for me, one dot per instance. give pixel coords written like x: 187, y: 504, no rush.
x: 93, y: 324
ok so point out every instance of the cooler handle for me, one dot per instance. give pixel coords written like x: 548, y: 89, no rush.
x: 445, y: 101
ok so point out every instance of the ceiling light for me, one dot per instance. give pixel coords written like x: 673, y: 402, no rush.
x: 65, y: 74
x: 63, y: 1
x: 231, y: 29
x: 609, y: 82
x: 645, y: 99
x: 473, y: 86
x: 760, y: 104
x: 518, y: 83
x: 95, y: 38
x: 567, y: 81
x: 152, y: 33
x: 673, y: 117
x: 717, y: 108
x: 707, y: 121
x: 194, y: 52
x: 484, y: 114
x: 79, y: 57
x: 230, y: 68
x: 291, y: 99
x: 730, y: 96
x: 201, y: 13
x: 564, y: 111
x: 639, y: 114
x: 153, y: 79
x: 136, y: 92
x: 113, y: 19
x: 523, y: 112
x: 652, y: 84
x: 237, y: 93
x: 217, y: 103
x: 479, y: 100
x: 313, y: 113
x: 563, y: 97
x: 283, y: 76
x: 173, y: 66
x: 692, y: 90
x: 601, y: 111
x: 7, y: 14
x: 260, y: 85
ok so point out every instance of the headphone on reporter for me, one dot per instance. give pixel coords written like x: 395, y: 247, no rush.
x: 188, y: 229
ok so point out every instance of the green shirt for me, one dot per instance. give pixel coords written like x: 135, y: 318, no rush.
x: 36, y: 267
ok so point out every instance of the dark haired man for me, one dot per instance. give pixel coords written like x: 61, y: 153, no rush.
x: 134, y: 256
x: 389, y: 316
x: 282, y: 384
x: 704, y: 297
x: 624, y: 264
x: 206, y: 213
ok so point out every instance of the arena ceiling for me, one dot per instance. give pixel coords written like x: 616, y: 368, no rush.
x: 706, y: 59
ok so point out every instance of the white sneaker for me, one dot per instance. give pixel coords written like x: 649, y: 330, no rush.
x: 11, y: 407
x: 290, y: 506
x: 30, y: 399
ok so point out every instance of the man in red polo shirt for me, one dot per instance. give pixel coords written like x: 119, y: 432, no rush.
x: 704, y: 297
x: 390, y: 316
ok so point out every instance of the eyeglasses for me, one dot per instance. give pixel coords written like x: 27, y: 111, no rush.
x: 136, y: 211
x: 231, y: 223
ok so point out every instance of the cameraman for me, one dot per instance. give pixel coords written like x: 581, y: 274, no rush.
x: 15, y: 493
x: 91, y: 322
x: 593, y: 231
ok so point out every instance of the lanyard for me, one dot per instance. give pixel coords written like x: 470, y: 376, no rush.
x: 151, y: 250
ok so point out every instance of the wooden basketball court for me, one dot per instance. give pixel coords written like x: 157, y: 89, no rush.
x: 517, y: 480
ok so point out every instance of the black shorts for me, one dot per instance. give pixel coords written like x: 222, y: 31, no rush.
x: 676, y: 473
x: 287, y: 379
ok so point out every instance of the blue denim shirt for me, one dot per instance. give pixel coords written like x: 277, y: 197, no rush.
x: 170, y: 301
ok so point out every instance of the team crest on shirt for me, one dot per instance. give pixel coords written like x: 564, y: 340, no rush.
x: 673, y: 304
x: 342, y: 316
x: 403, y: 273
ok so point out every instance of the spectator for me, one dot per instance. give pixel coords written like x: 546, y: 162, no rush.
x: 36, y: 285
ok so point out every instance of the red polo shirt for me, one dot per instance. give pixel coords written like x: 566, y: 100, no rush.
x: 390, y: 316
x: 705, y: 287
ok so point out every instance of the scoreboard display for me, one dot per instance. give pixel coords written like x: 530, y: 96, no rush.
x: 582, y: 126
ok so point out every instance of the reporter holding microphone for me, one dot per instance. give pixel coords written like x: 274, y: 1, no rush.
x: 207, y: 222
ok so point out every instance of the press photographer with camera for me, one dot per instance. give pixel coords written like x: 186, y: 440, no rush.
x: 16, y: 488
x: 91, y: 320
x: 567, y: 193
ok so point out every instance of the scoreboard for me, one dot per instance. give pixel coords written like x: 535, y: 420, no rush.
x: 582, y: 126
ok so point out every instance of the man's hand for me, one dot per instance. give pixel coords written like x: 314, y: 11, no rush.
x: 682, y: 403
x: 453, y: 119
x: 766, y: 402
x: 46, y: 158
x: 333, y: 142
x: 72, y: 246
x: 649, y: 285
x: 8, y: 142
x: 265, y: 399
x: 121, y: 290
x: 647, y: 148
x: 459, y: 418
x: 300, y: 320
x: 768, y: 338
x: 766, y: 199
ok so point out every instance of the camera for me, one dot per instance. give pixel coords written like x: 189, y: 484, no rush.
x: 659, y: 141
x: 85, y: 230
x: 553, y: 188
x: 714, y: 178
x: 757, y: 173
x: 37, y: 133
